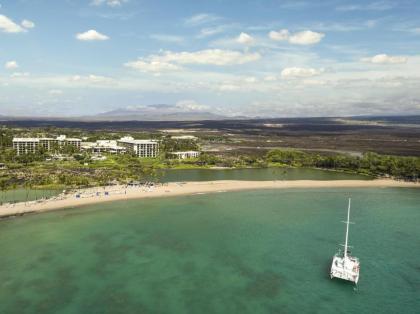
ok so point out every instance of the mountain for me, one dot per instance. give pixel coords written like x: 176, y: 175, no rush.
x: 161, y: 112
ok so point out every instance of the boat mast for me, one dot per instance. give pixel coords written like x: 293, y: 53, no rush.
x: 347, y: 230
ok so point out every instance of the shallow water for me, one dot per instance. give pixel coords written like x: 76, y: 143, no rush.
x: 22, y: 195
x: 257, y: 174
x: 243, y: 252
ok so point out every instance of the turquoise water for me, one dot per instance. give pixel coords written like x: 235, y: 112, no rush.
x: 21, y: 195
x: 243, y: 252
x: 260, y: 174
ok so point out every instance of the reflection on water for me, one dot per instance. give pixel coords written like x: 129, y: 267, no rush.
x: 21, y: 195
x: 256, y: 174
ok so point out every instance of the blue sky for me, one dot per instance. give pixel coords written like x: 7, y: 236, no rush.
x: 254, y: 58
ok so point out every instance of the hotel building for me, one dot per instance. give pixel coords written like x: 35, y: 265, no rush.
x: 185, y: 137
x: 32, y: 145
x: 141, y: 148
x: 186, y: 155
x: 103, y: 146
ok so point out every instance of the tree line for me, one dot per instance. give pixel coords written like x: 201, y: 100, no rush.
x: 406, y: 168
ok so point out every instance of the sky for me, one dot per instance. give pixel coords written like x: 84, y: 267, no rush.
x: 265, y: 58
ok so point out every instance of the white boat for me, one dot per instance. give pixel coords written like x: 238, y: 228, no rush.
x: 344, y: 266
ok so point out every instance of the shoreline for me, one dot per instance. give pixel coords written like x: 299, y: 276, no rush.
x: 92, y: 196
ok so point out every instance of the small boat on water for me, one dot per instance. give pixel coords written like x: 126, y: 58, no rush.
x: 344, y: 266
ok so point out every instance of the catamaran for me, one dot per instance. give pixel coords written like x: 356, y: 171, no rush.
x: 344, y: 266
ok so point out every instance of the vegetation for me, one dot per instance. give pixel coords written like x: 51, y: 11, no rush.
x: 406, y: 168
x: 41, y: 170
x: 170, y: 145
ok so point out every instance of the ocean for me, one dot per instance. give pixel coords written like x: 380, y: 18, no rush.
x: 265, y: 251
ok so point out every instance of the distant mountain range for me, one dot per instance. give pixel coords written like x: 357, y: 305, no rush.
x: 160, y: 112
x: 173, y: 113
x: 156, y: 113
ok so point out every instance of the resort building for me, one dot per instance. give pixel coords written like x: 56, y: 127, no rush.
x: 103, y: 146
x: 25, y: 145
x: 186, y: 155
x: 141, y: 148
x: 185, y: 137
x: 32, y: 145
x: 64, y: 140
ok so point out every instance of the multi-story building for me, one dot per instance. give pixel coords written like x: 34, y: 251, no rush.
x: 186, y: 155
x: 64, y: 140
x: 32, y: 145
x: 25, y: 145
x: 185, y: 137
x: 103, y: 146
x: 142, y: 148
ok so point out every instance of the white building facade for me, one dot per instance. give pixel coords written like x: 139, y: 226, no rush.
x: 25, y: 145
x: 32, y: 145
x: 185, y: 137
x: 141, y: 148
x: 103, y: 146
x: 186, y: 155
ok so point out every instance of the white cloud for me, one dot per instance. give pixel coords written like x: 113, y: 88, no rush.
x: 210, y: 31
x: 20, y: 74
x: 347, y: 89
x: 111, y: 3
x: 11, y: 65
x: 350, y: 26
x: 282, y: 34
x: 270, y: 78
x: 300, y: 38
x: 28, y: 24
x: 171, y: 61
x: 167, y: 38
x: 295, y: 72
x: 210, y: 56
x: 91, y: 78
x: 373, y: 6
x: 228, y: 87
x: 250, y: 79
x: 306, y: 38
x: 91, y: 35
x: 153, y: 66
x: 55, y: 92
x: 386, y: 59
x: 191, y: 105
x: 245, y: 39
x: 202, y: 18
x: 8, y: 26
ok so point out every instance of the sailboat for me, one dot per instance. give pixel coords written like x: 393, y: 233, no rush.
x: 344, y: 266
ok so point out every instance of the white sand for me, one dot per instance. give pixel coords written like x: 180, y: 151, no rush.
x: 89, y: 196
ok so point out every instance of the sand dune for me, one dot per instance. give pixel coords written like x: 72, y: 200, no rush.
x: 115, y: 193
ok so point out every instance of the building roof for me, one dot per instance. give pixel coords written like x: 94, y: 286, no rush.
x: 88, y: 144
x: 25, y: 139
x: 73, y: 139
x: 37, y: 139
x: 130, y: 140
x: 106, y: 144
x: 186, y: 152
x: 184, y: 137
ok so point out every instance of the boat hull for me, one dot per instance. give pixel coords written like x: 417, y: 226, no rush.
x: 345, y: 268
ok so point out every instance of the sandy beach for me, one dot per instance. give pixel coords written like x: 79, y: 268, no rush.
x: 116, y: 193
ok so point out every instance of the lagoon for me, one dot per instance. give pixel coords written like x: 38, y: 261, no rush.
x: 256, y: 174
x: 22, y: 195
